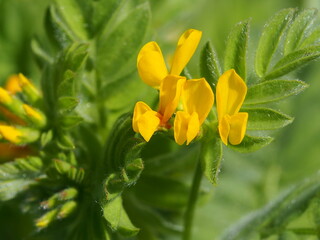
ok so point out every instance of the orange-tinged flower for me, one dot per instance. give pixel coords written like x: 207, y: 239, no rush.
x: 151, y: 65
x: 145, y: 120
x: 231, y: 92
x: 13, y: 85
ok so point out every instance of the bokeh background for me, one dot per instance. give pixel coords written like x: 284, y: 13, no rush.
x: 247, y: 181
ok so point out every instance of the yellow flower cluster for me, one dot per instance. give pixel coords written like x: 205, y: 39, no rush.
x: 195, y: 95
x: 22, y: 120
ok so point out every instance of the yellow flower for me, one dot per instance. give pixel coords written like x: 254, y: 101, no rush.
x: 13, y: 85
x: 197, y: 100
x: 5, y: 97
x: 10, y: 133
x: 197, y: 96
x: 151, y: 65
x: 231, y: 92
x: 145, y: 120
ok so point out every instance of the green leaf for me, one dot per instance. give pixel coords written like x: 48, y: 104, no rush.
x: 115, y: 49
x: 70, y: 120
x: 121, y: 94
x: 102, y: 12
x: 18, y: 176
x: 236, y: 49
x: 65, y: 142
x: 123, y: 148
x: 275, y: 216
x: 162, y: 160
x: 151, y: 218
x: 273, y: 90
x: 40, y: 53
x: 113, y: 186
x: 46, y: 137
x: 74, y: 57
x: 163, y: 192
x: 209, y: 65
x: 73, y: 17
x: 266, y: 118
x: 118, y: 219
x: 297, y: 30
x: 293, y: 61
x: 57, y: 30
x: 251, y: 144
x: 311, y: 39
x: 59, y: 78
x: 270, y: 38
x: 212, y: 158
x: 67, y: 104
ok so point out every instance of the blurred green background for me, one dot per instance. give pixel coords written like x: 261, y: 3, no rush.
x: 247, y: 181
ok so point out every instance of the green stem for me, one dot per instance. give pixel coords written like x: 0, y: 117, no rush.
x: 189, y: 214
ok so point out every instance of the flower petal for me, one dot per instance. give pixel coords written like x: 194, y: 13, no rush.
x: 231, y: 92
x: 145, y: 121
x: 238, y: 126
x: 170, y: 92
x: 10, y: 133
x: 193, y: 127
x: 13, y: 85
x: 186, y: 127
x: 5, y: 97
x: 186, y: 47
x: 224, y: 129
x: 181, y: 127
x: 197, y: 96
x: 151, y: 66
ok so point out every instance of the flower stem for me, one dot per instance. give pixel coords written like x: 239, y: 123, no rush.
x: 189, y: 214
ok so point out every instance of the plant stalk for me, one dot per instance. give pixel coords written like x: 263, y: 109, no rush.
x: 193, y: 197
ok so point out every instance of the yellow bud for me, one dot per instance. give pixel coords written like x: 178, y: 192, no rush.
x: 10, y: 133
x: 32, y: 113
x: 13, y: 85
x: 46, y: 219
x: 23, y: 81
x: 5, y: 97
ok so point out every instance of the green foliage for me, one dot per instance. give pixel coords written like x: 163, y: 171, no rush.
x: 293, y: 61
x: 212, y: 160
x: 296, y: 32
x: 119, y: 221
x: 275, y: 217
x: 17, y: 177
x: 270, y: 39
x: 209, y: 65
x: 266, y: 118
x: 251, y: 144
x: 273, y: 90
x: 125, y: 38
x: 236, y: 49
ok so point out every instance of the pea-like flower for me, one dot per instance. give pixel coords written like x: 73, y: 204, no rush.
x: 230, y: 93
x: 197, y: 100
x: 197, y: 96
x: 151, y: 65
x: 145, y: 120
